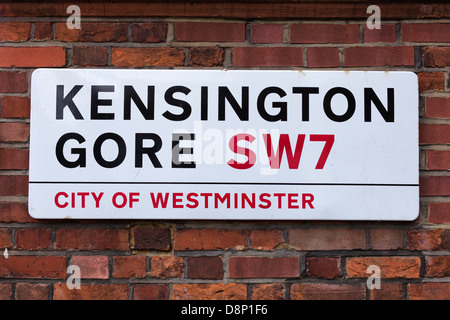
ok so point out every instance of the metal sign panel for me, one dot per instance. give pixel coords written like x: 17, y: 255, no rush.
x: 218, y: 144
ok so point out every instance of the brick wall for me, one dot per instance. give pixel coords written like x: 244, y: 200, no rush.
x: 225, y: 259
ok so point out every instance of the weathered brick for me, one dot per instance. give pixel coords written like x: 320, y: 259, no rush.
x: 387, y: 291
x: 14, y: 132
x: 151, y: 238
x: 209, y: 291
x: 14, y: 212
x: 14, y: 107
x: 14, y: 159
x: 130, y: 267
x: 386, y: 239
x: 29, y: 267
x: 327, y: 239
x: 323, y: 291
x: 167, y: 267
x: 436, y: 57
x: 266, y: 239
x: 436, y: 107
x: 151, y: 292
x: 385, y: 34
x: 13, y: 82
x: 33, y: 238
x: 323, y: 267
x: 209, y: 32
x: 206, y: 57
x: 205, y: 267
x: 271, y: 291
x: 267, y: 57
x: 93, y: 32
x: 90, y: 56
x: 438, y: 159
x: 428, y: 239
x: 91, y: 292
x: 390, y: 267
x: 13, y: 185
x: 429, y: 291
x: 434, y: 186
x: 14, y: 31
x: 32, y: 291
x: 209, y: 239
x: 91, y: 239
x: 263, y: 267
x: 324, y: 33
x: 425, y: 32
x: 437, y: 266
x: 379, y: 56
x: 43, y: 31
x: 92, y: 267
x: 322, y: 57
x: 431, y: 81
x: 434, y: 133
x: 149, y: 32
x: 148, y: 57
x: 439, y: 212
x: 6, y: 291
x: 32, y: 57
x: 267, y: 33
x: 5, y: 238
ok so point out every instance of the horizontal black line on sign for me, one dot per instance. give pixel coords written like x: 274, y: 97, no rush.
x: 235, y: 183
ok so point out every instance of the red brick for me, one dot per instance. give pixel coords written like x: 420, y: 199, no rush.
x: 209, y: 32
x: 263, y: 267
x: 271, y: 291
x: 148, y: 57
x: 32, y: 57
x: 90, y: 56
x: 32, y: 291
x: 93, y: 32
x: 431, y: 81
x: 13, y: 82
x: 428, y: 239
x: 385, y: 34
x: 434, y: 133
x: 14, y: 132
x: 13, y: 159
x: 33, y: 238
x: 13, y: 185
x: 92, y: 239
x: 437, y: 266
x: 209, y: 291
x: 6, y: 291
x: 437, y: 107
x: 14, y: 31
x: 209, y: 239
x: 390, y: 267
x: 386, y: 239
x: 43, y: 31
x: 436, y: 57
x: 151, y: 292
x: 322, y: 291
x: 267, y: 33
x: 266, y: 239
x: 205, y: 267
x: 5, y: 238
x: 130, y: 267
x: 324, y: 33
x: 434, y: 186
x: 91, y: 292
x: 92, y: 267
x: 327, y: 239
x: 32, y: 267
x: 439, y: 212
x: 379, y: 56
x: 206, y: 57
x: 14, y: 107
x: 149, y: 32
x: 167, y: 267
x: 322, y: 57
x: 323, y: 267
x: 151, y: 238
x: 425, y: 32
x: 429, y: 291
x: 387, y: 291
x: 267, y: 57
x: 438, y: 159
x: 14, y: 212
